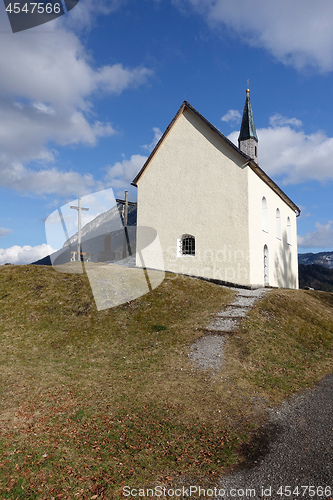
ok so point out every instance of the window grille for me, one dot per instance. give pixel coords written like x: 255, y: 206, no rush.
x: 188, y: 245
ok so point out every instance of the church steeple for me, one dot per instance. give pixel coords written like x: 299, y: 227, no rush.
x: 248, y: 140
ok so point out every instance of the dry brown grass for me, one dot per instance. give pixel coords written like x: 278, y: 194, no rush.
x: 285, y: 343
x: 92, y: 400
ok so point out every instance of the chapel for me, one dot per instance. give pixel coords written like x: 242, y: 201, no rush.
x: 217, y: 214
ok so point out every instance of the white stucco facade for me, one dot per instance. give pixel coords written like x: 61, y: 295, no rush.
x: 273, y: 230
x: 196, y: 184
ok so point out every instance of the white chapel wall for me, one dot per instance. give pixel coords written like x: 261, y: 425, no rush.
x: 191, y: 188
x: 282, y: 264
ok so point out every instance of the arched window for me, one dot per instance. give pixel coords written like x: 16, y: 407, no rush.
x: 266, y: 266
x: 278, y: 223
x: 264, y: 211
x: 288, y: 231
x: 187, y: 244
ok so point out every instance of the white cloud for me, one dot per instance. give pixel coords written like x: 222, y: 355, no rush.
x: 84, y: 15
x: 48, y: 181
x: 4, y: 231
x: 26, y: 131
x: 157, y: 135
x: 47, y: 86
x: 115, y: 79
x: 232, y: 116
x: 278, y: 120
x: 120, y: 175
x: 296, y: 33
x: 291, y: 155
x: 25, y: 254
x: 41, y: 107
x: 321, y: 238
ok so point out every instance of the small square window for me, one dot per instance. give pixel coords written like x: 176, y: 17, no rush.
x: 188, y: 245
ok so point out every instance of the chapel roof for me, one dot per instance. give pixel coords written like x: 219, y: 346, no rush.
x: 248, y: 160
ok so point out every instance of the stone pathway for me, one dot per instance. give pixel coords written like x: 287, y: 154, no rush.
x: 207, y: 351
x: 227, y: 321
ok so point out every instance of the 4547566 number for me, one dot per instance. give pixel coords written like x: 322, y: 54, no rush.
x: 308, y: 491
x: 34, y: 7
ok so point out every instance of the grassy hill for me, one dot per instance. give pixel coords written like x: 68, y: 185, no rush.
x: 93, y: 401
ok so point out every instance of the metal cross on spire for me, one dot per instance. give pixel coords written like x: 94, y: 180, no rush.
x: 79, y: 208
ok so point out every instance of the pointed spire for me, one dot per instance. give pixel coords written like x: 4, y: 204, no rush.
x: 248, y: 129
x: 248, y: 140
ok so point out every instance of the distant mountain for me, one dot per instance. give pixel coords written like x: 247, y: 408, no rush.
x: 103, y: 238
x: 322, y: 259
x: 315, y: 270
x: 315, y: 276
x: 107, y: 222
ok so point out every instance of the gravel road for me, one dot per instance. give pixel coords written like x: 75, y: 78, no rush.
x: 295, y: 451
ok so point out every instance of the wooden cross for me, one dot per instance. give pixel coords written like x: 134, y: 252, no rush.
x: 126, y: 245
x: 125, y: 204
x: 79, y: 208
x: 126, y: 209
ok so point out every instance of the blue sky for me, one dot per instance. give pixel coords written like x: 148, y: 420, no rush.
x: 84, y: 98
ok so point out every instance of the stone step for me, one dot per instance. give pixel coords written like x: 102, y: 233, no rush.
x: 238, y: 306
x: 244, y: 301
x: 222, y: 324
x: 233, y: 312
x: 208, y: 331
x: 235, y: 315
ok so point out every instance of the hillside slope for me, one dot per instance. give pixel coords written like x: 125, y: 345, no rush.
x: 95, y: 400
